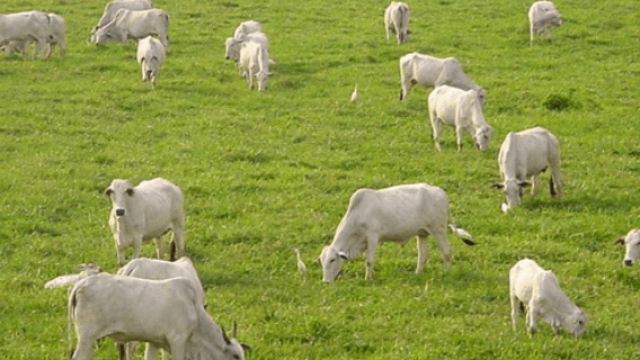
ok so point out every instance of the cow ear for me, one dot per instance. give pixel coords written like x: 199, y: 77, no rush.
x: 342, y: 255
x: 497, y: 186
x: 524, y: 184
x: 108, y: 192
x: 130, y: 192
x: 224, y: 336
x: 409, y: 31
x: 619, y: 242
x: 245, y: 347
x: 319, y: 261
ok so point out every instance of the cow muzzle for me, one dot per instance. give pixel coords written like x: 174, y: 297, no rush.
x: 628, y: 262
x: 119, y: 212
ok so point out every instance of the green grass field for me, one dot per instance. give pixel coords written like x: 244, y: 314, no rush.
x: 265, y: 173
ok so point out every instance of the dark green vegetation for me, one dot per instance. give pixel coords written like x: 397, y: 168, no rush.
x: 266, y: 173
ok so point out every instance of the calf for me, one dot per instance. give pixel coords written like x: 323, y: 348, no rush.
x: 396, y: 20
x: 543, y: 17
x: 632, y: 244
x: 145, y: 212
x: 166, y: 314
x: 462, y: 110
x: 430, y: 71
x: 524, y: 155
x: 254, y: 64
x: 538, y: 288
x: 130, y: 24
x: 150, y: 56
x: 393, y: 214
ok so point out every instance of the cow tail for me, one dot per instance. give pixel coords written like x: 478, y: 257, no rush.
x: 73, y: 302
x: 552, y: 189
x: 172, y: 251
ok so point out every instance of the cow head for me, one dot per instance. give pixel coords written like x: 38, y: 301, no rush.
x: 482, y: 137
x: 632, y: 245
x: 119, y: 192
x: 513, y: 190
x: 576, y: 323
x: 262, y: 77
x: 233, y: 349
x: 89, y: 269
x: 331, y: 261
x: 232, y: 48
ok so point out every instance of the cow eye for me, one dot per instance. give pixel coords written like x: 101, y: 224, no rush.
x: 332, y: 260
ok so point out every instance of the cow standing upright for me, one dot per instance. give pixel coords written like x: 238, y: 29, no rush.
x: 150, y: 56
x: 147, y: 211
x: 396, y: 20
x: 543, y: 17
x: 394, y: 214
x: 24, y: 27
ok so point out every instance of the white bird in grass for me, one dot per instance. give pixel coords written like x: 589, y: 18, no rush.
x: 354, y: 94
x: 88, y: 269
x: 301, y: 266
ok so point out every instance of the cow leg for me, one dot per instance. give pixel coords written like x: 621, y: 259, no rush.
x: 137, y: 247
x: 532, y: 324
x: 84, y: 348
x: 536, y: 185
x: 178, y: 237
x: 459, y: 136
x: 422, y: 253
x: 437, y: 127
x: 120, y: 252
x: 130, y: 349
x: 151, y: 352
x: 444, y: 246
x: 159, y: 248
x: 556, y: 178
x: 369, y: 256
x: 514, y: 309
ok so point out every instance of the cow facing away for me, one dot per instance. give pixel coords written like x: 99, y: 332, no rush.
x: 254, y: 64
x: 543, y: 17
x: 430, y: 71
x: 166, y: 314
x: 110, y: 11
x: 147, y: 211
x: 396, y: 20
x: 525, y: 155
x: 25, y: 27
x: 394, y: 214
x: 150, y: 56
x: 538, y: 289
x: 462, y: 110
x: 134, y: 24
x: 57, y: 36
x: 632, y: 247
x: 152, y: 269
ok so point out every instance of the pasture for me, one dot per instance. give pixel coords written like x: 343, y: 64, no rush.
x: 265, y: 173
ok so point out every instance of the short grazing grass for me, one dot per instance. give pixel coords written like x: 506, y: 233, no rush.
x: 264, y: 173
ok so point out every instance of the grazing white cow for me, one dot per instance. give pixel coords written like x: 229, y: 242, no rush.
x: 246, y: 28
x: 166, y: 314
x: 526, y: 154
x: 462, y: 110
x: 152, y: 269
x: 87, y: 269
x: 396, y: 20
x: 24, y: 27
x: 57, y: 30
x: 134, y: 24
x: 150, y: 56
x: 632, y: 244
x: 430, y: 71
x: 254, y: 64
x: 543, y: 17
x: 145, y: 212
x: 394, y: 214
x: 112, y: 7
x: 233, y: 44
x: 538, y: 288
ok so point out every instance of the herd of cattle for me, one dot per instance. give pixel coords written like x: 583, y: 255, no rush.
x: 162, y: 303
